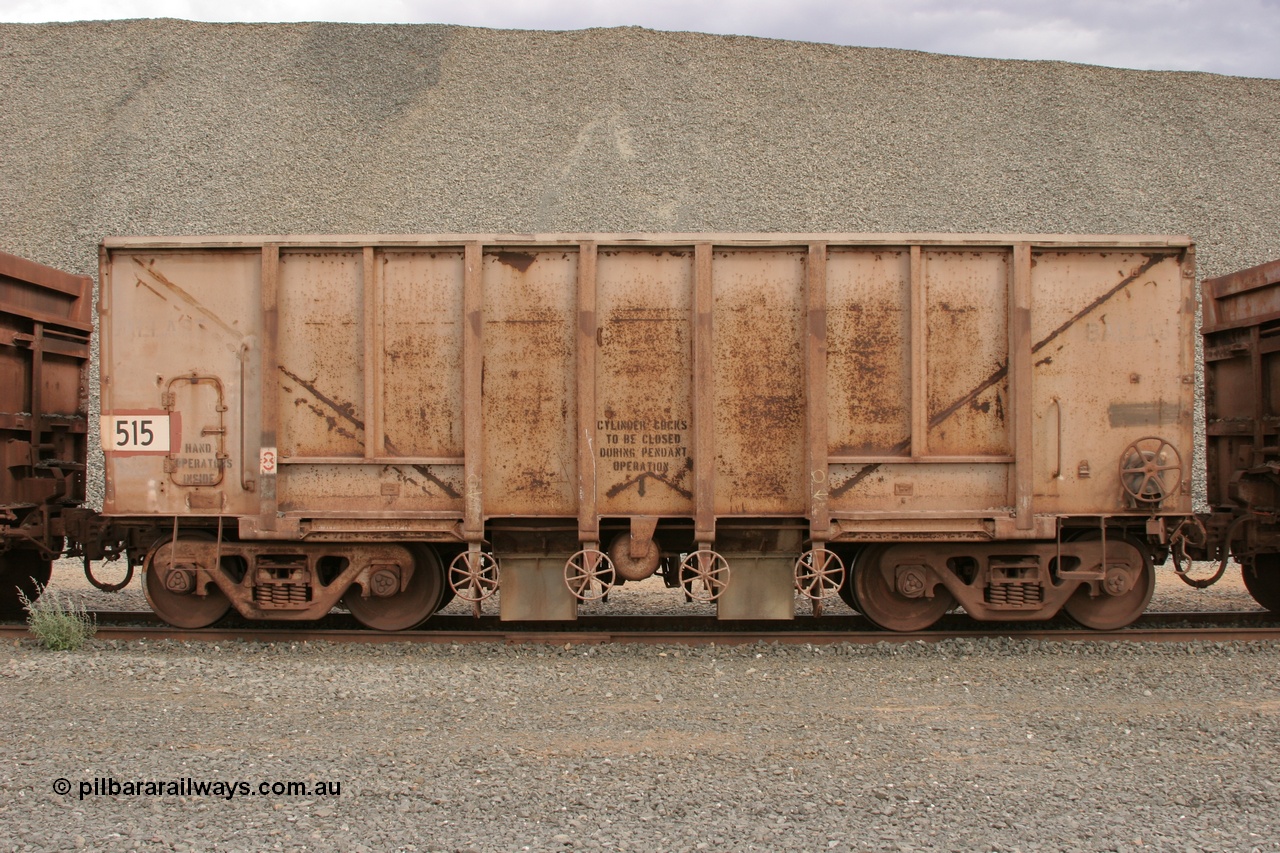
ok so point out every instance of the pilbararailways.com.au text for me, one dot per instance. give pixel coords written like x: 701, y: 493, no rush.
x: 188, y: 787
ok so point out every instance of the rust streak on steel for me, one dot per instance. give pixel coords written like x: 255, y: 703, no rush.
x: 1142, y: 269
x: 187, y: 298
x: 867, y: 470
x: 519, y: 261
x: 638, y: 482
x: 345, y: 410
x: 426, y: 472
x: 1003, y: 370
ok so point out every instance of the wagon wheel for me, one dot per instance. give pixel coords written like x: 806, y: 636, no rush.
x: 846, y: 588
x: 24, y: 571
x: 589, y: 574
x: 171, y: 589
x: 631, y: 568
x: 1150, y: 470
x: 819, y: 574
x: 1122, y: 594
x: 895, y: 600
x: 402, y: 608
x: 704, y: 575
x: 473, y: 575
x: 1262, y: 579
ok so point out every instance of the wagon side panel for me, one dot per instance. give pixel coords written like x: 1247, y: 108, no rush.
x: 1112, y: 370
x: 920, y: 415
x: 368, y: 380
x: 181, y: 386
x: 643, y: 425
x: 44, y: 349
x: 529, y: 383
x: 868, y: 338
x: 759, y: 375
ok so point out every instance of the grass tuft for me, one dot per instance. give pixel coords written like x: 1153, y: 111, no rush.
x: 59, y: 626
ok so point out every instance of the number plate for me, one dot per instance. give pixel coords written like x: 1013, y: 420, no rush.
x: 135, y: 433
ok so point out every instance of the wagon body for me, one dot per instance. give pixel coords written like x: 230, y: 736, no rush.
x: 45, y: 325
x: 1242, y: 418
x: 537, y: 395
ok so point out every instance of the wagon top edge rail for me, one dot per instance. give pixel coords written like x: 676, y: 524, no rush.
x: 763, y: 239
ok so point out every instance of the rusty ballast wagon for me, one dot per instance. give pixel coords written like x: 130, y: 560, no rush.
x: 45, y: 325
x: 1242, y: 413
x: 914, y: 421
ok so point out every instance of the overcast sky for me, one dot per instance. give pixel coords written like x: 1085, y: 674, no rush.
x: 1222, y: 36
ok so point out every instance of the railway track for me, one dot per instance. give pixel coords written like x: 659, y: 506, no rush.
x: 341, y: 628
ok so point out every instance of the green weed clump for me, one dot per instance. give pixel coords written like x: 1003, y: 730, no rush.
x: 61, y: 626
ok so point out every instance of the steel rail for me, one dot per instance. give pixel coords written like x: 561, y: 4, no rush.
x: 1151, y: 627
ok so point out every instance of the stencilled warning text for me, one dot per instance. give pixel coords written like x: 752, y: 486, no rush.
x: 199, y: 465
x: 637, y: 446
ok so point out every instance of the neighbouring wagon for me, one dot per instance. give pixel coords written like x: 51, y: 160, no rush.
x: 46, y: 322
x: 1242, y: 424
x: 914, y: 421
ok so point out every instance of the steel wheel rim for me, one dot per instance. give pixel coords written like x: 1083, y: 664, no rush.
x: 181, y: 610
x: 408, y: 608
x: 704, y: 575
x: 1143, y: 465
x: 1110, y: 612
x: 1262, y: 580
x: 819, y: 574
x: 884, y: 606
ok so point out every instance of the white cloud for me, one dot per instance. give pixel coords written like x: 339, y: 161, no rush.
x: 1224, y: 36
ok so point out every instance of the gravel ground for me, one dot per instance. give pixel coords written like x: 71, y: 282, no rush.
x: 986, y: 745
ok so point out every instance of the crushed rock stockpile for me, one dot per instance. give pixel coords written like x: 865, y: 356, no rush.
x: 172, y: 127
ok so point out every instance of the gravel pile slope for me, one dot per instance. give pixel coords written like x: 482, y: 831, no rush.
x: 991, y: 745
x: 157, y: 127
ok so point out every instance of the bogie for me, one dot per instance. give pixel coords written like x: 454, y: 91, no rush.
x: 1101, y: 584
x: 384, y: 586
